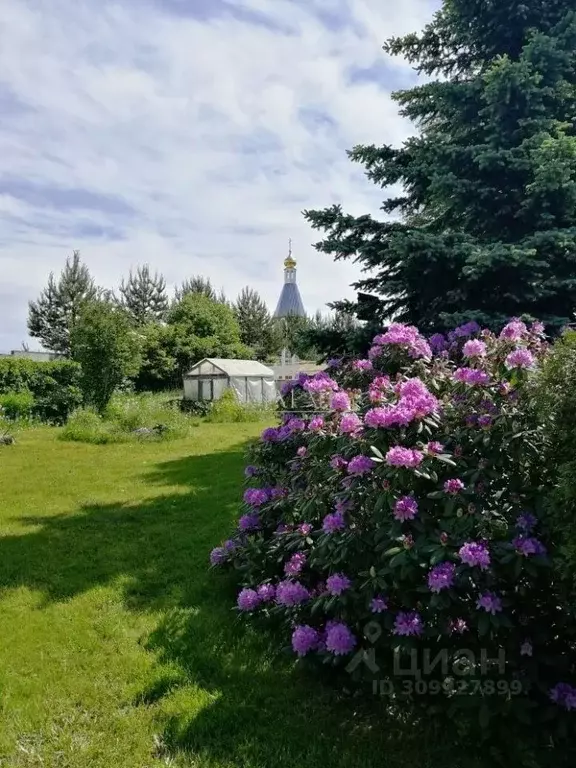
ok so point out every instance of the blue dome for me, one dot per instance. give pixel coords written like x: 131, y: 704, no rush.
x: 290, y: 302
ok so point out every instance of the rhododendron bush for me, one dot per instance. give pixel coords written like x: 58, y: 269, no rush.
x: 396, y: 509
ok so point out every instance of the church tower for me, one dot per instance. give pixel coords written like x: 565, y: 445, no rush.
x: 290, y: 301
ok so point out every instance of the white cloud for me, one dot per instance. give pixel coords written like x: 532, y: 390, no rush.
x: 196, y: 132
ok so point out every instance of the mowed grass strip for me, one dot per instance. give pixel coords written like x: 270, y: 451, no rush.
x: 119, y: 648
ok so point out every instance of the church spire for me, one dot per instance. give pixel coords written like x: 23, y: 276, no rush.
x: 289, y: 262
x: 290, y: 302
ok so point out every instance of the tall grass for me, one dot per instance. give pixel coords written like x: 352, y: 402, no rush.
x: 227, y: 410
x: 124, y: 416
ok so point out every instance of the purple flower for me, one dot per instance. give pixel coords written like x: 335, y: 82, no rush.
x: 564, y: 695
x: 526, y: 648
x: 302, y: 451
x: 343, y: 505
x: 434, y: 447
x: 467, y: 329
x: 230, y: 545
x: 250, y: 471
x: 305, y: 529
x: 514, y: 331
x: 441, y: 577
x: 249, y: 522
x: 333, y: 362
x: 360, y: 465
x: 255, y: 497
x: 490, y: 602
x: 340, y: 401
x: 266, y: 592
x: 350, y: 423
x: 338, y: 462
x: 378, y: 605
x: 290, y: 593
x: 248, y: 600
x: 408, y: 623
x: 453, y: 486
x: 316, y: 424
x: 337, y: 583
x: 526, y: 522
x: 520, y: 358
x: 526, y: 545
x: 295, y: 425
x: 304, y: 639
x: 437, y: 342
x: 458, y: 625
x: 405, y: 508
x: 320, y: 382
x: 339, y: 639
x: 398, y: 456
x: 333, y: 522
x: 471, y: 376
x: 294, y: 566
x: 362, y: 365
x: 485, y: 421
x: 218, y: 556
x: 474, y: 348
x: 473, y: 553
x: 270, y: 435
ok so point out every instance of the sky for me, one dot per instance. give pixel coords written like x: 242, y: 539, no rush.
x: 189, y: 135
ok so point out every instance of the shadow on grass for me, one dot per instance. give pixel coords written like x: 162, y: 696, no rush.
x: 235, y: 700
x: 159, y: 548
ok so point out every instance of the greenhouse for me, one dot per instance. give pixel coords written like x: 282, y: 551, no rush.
x: 251, y: 381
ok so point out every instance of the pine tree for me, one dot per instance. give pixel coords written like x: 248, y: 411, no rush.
x: 196, y: 284
x: 53, y: 315
x: 485, y: 227
x: 144, y: 296
x: 257, y: 329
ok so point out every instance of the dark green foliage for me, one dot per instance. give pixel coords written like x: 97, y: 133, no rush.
x: 53, y: 315
x: 557, y: 402
x: 108, y: 349
x: 17, y: 405
x: 340, y: 335
x: 54, y: 386
x: 144, y: 296
x: 257, y: 328
x: 485, y: 225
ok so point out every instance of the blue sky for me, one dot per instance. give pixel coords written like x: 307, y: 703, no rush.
x: 188, y: 134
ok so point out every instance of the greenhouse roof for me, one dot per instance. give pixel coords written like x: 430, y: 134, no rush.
x: 232, y: 367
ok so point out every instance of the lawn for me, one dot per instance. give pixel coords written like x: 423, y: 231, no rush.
x: 119, y: 648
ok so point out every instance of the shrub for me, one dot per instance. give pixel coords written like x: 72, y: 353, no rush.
x: 556, y: 397
x: 399, y: 514
x: 124, y: 415
x: 17, y: 405
x: 55, y: 386
x: 227, y: 410
x: 87, y: 426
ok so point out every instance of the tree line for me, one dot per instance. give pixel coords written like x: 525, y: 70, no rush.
x: 142, y: 333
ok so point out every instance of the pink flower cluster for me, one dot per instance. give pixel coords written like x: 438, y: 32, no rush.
x: 380, y: 389
x: 514, y: 331
x: 407, y: 336
x: 398, y: 456
x: 472, y: 376
x: 415, y: 402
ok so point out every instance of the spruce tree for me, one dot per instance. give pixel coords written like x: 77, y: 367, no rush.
x: 144, y: 296
x: 196, y: 285
x: 257, y: 329
x: 53, y: 315
x: 485, y: 225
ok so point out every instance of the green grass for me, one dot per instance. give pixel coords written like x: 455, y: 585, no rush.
x: 119, y: 649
